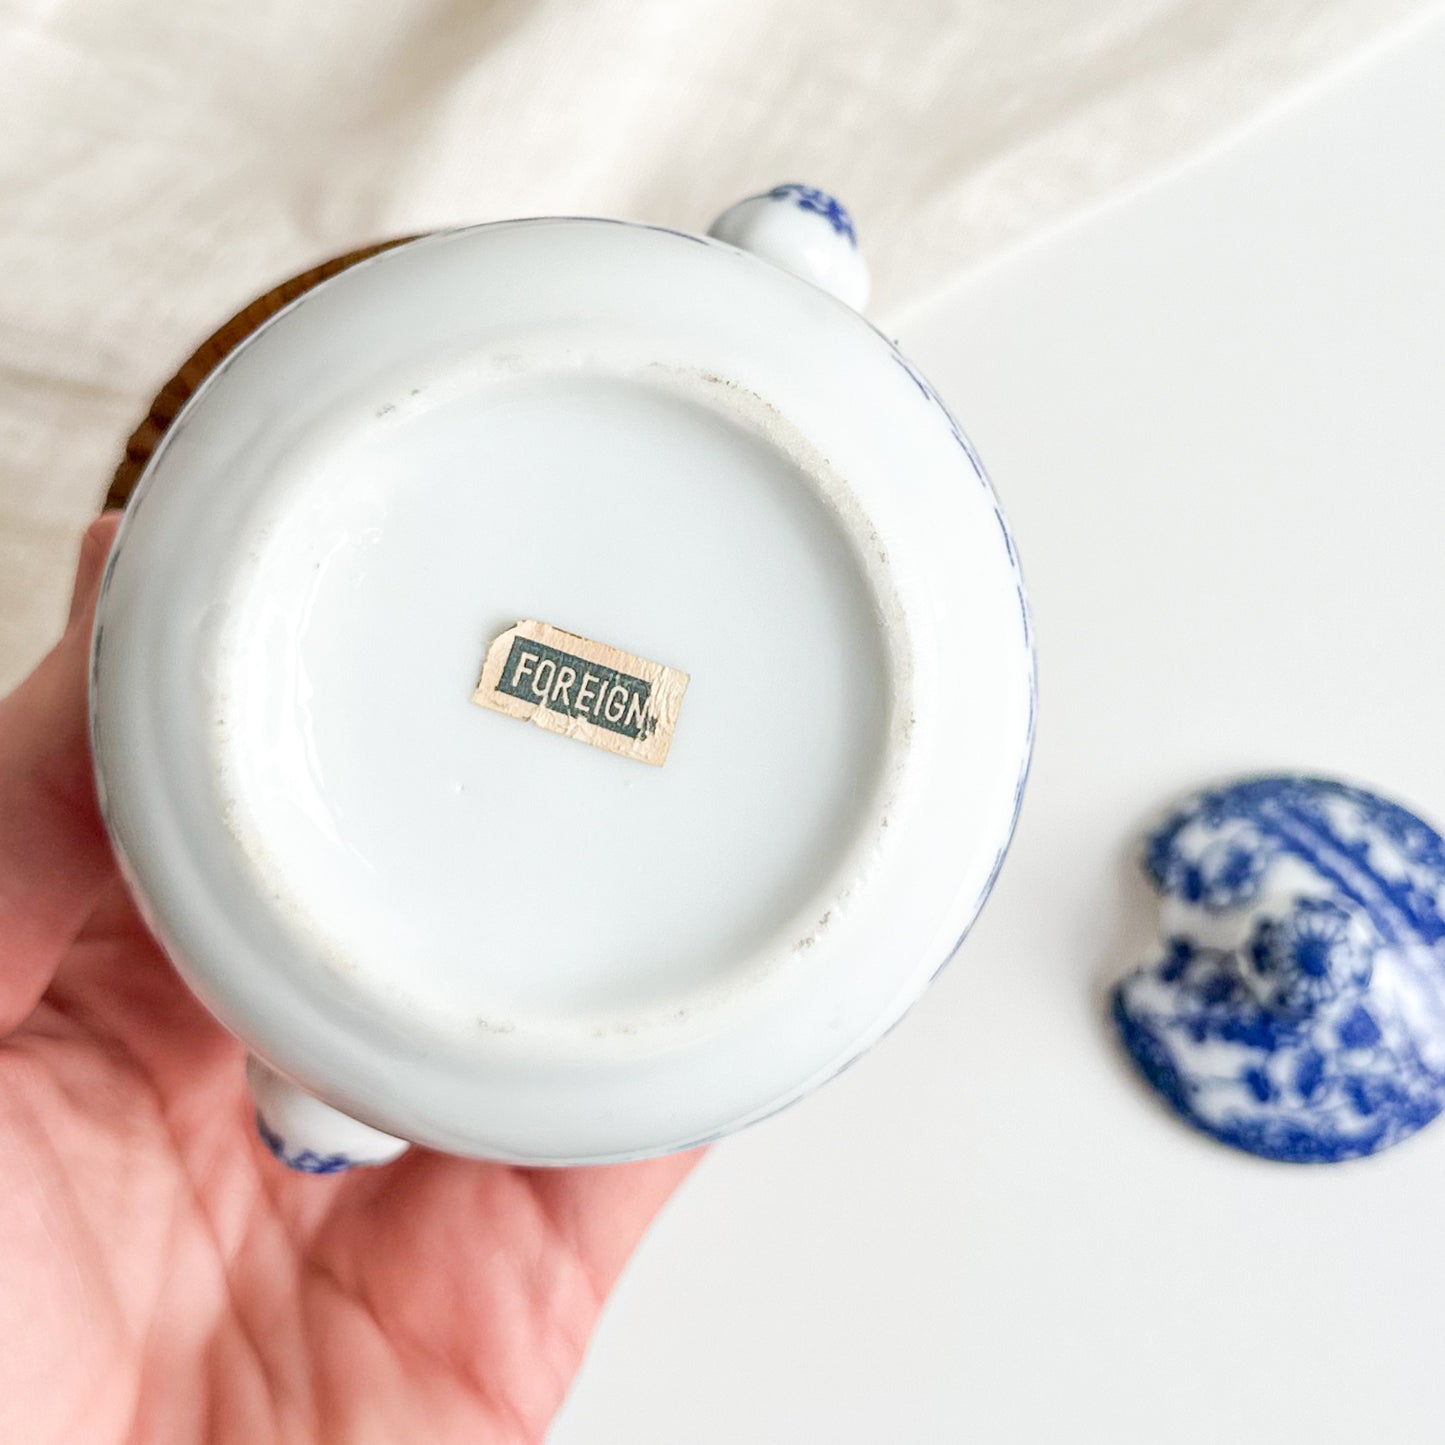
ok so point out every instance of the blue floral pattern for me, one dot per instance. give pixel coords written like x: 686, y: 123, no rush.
x: 1308, y: 958
x: 305, y: 1161
x: 931, y: 396
x: 810, y: 198
x: 1298, y: 1011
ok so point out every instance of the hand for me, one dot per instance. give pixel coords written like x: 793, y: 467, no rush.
x: 165, y: 1279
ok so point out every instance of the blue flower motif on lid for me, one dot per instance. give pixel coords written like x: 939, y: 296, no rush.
x: 1224, y: 874
x: 1298, y: 1011
x: 810, y: 198
x: 1307, y: 957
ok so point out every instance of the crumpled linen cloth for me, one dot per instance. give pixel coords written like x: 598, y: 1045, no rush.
x: 162, y: 163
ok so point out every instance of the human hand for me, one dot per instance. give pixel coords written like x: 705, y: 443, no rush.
x: 165, y: 1279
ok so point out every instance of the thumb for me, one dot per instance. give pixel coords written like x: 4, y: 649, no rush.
x: 54, y: 857
x: 95, y: 548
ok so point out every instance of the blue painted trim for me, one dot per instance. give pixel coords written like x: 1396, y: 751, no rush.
x: 304, y: 1161
x: 819, y: 203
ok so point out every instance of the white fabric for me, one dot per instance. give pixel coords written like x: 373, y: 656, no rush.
x: 162, y: 163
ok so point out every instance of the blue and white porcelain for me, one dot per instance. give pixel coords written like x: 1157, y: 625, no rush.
x: 1297, y: 1010
x: 309, y: 1136
x: 805, y: 231
x: 433, y: 923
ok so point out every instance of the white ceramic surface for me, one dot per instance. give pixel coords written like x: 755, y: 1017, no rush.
x: 803, y: 230
x: 1215, y: 408
x: 473, y: 934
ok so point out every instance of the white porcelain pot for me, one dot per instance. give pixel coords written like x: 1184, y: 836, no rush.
x: 440, y: 923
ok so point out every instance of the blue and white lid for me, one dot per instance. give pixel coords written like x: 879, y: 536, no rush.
x: 1298, y: 1008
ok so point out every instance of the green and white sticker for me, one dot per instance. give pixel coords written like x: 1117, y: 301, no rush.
x: 583, y: 689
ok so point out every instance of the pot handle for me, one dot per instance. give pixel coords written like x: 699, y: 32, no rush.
x: 803, y: 230
x: 309, y: 1136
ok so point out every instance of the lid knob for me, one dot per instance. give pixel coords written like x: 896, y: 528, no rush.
x: 804, y: 230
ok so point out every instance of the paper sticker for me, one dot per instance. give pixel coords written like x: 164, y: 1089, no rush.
x: 583, y: 689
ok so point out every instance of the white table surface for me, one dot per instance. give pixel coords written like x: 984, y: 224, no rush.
x: 1214, y: 414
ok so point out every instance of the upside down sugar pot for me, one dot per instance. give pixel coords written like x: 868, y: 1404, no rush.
x: 562, y: 688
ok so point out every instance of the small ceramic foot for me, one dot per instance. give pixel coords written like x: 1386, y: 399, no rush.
x: 309, y: 1136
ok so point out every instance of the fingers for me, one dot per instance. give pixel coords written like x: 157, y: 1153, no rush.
x: 605, y: 1210
x: 54, y: 858
x: 595, y: 1214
